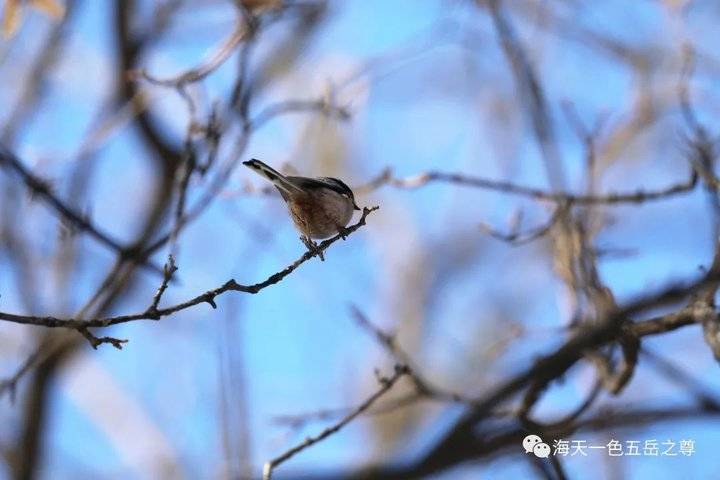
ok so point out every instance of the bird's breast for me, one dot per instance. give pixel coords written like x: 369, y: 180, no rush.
x: 320, y: 213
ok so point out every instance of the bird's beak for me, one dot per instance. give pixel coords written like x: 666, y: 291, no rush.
x: 355, y: 207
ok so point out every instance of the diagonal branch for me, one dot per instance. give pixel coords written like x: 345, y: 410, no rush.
x: 154, y: 313
x: 531, y: 92
x: 203, y: 70
x: 386, y: 383
x: 43, y: 190
x: 455, y: 444
x: 516, y: 237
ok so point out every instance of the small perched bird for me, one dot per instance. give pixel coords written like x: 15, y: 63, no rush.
x: 320, y: 207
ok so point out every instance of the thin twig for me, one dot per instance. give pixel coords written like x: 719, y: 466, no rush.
x: 10, y: 384
x: 386, y: 383
x: 422, y: 179
x: 198, y: 73
x: 297, y: 106
x: 95, y: 342
x: 532, y: 396
x: 389, y: 342
x: 519, y: 238
x: 531, y: 92
x: 168, y: 271
x: 298, y: 420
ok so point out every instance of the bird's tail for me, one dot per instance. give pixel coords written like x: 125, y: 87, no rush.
x: 277, y: 178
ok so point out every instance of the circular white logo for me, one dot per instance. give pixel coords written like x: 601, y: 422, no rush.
x: 541, y: 450
x: 530, y: 441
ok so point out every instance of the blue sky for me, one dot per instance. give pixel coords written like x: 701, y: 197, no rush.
x: 421, y: 266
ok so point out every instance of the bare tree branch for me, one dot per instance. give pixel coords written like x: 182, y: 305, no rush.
x: 386, y: 384
x: 422, y: 179
x: 43, y: 190
x: 154, y: 313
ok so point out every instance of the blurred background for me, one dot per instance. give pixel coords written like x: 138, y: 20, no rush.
x: 123, y: 108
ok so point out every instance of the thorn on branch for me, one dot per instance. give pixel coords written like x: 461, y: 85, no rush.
x: 210, y: 299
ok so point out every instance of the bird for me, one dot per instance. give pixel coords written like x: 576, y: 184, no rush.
x: 320, y: 207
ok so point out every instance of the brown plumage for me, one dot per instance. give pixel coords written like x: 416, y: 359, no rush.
x: 320, y: 207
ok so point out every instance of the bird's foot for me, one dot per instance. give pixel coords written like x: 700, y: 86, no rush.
x: 343, y: 232
x: 313, y: 247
